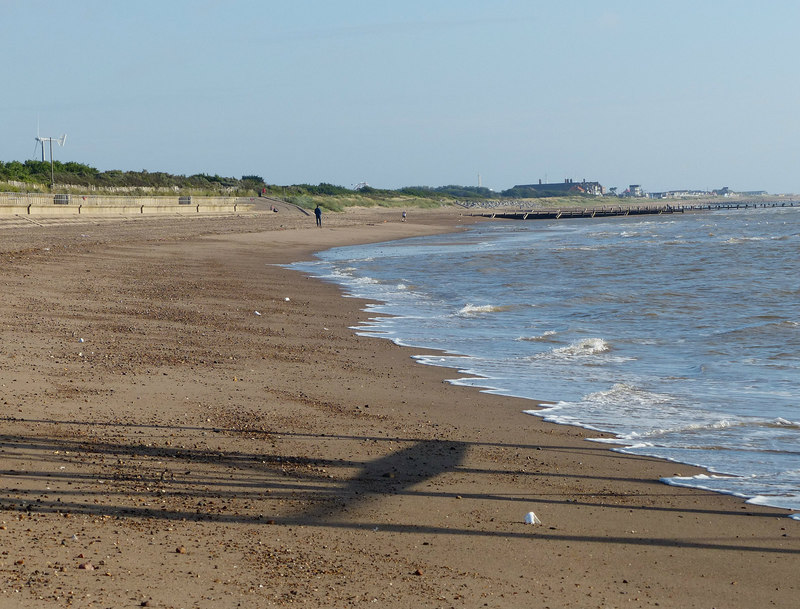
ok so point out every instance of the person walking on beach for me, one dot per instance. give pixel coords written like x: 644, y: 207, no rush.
x: 318, y: 214
x: 404, y: 215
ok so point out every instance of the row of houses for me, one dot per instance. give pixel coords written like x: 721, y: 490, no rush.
x: 696, y: 194
x: 570, y: 187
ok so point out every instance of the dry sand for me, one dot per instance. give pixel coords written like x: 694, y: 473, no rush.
x: 163, y: 445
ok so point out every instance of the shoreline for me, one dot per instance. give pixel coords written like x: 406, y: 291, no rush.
x: 294, y: 462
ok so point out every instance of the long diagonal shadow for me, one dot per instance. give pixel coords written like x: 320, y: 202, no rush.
x: 393, y: 474
x: 397, y: 472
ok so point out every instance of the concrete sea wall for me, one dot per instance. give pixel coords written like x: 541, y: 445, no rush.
x: 36, y: 204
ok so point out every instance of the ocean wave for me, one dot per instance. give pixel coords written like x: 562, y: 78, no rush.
x: 706, y: 477
x: 695, y: 435
x: 544, y: 337
x: 688, y: 428
x: 668, y: 416
x: 705, y: 482
x: 736, y: 240
x: 776, y: 490
x: 767, y: 324
x: 780, y: 422
x: 629, y: 394
x: 471, y: 310
x: 581, y: 248
x: 585, y: 347
x: 348, y: 276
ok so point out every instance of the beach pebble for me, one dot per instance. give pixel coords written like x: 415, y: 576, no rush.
x: 257, y: 313
x: 531, y: 518
x: 286, y: 299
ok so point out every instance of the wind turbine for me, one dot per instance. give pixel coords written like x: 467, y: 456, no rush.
x: 39, y: 140
x: 61, y: 141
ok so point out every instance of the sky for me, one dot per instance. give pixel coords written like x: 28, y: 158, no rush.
x: 694, y: 94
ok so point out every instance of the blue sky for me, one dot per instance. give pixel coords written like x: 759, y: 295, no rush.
x: 679, y: 94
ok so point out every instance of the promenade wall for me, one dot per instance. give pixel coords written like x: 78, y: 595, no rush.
x: 36, y: 204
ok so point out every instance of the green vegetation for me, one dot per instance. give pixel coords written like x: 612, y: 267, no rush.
x: 457, y: 192
x: 526, y: 192
x: 33, y: 176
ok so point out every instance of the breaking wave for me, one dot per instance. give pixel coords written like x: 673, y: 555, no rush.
x: 471, y: 310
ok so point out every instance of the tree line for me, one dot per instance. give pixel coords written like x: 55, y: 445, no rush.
x: 78, y: 174
x: 73, y: 174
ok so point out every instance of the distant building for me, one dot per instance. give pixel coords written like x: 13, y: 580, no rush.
x: 635, y: 190
x: 568, y: 186
x: 680, y: 194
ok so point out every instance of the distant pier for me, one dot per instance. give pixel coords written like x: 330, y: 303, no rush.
x: 620, y: 210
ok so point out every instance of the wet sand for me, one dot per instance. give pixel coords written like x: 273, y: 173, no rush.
x: 186, y: 424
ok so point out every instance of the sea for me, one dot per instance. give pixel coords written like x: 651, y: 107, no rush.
x: 679, y: 334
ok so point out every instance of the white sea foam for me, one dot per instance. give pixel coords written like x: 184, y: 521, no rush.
x: 544, y: 337
x: 780, y: 493
x: 780, y: 422
x: 734, y: 240
x: 471, y: 310
x: 702, y: 481
x: 582, y: 348
x: 582, y: 248
x: 687, y: 428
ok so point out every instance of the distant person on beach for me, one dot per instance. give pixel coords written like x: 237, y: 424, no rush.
x: 404, y: 215
x: 318, y: 214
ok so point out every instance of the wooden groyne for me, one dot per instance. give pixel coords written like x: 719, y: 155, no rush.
x: 576, y: 212
x: 606, y: 211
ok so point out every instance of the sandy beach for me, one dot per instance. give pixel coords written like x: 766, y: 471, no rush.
x: 187, y: 424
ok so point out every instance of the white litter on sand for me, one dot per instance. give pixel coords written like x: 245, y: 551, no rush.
x: 531, y: 518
